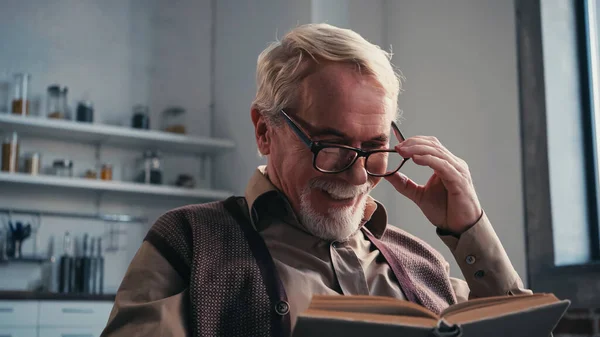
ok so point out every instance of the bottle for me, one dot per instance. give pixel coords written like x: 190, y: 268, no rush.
x: 20, y: 101
x: 10, y: 153
x: 66, y: 265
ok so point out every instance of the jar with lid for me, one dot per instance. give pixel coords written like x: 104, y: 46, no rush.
x: 10, y: 153
x: 54, y: 105
x: 20, y: 101
x: 33, y: 163
x: 106, y: 172
x: 62, y: 168
x: 141, y: 117
x: 85, y: 111
x: 149, y: 168
x: 64, y: 102
x: 173, y: 120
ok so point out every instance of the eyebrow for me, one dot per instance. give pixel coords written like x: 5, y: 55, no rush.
x: 329, y: 131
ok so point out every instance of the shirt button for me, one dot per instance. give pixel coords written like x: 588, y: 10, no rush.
x: 479, y: 274
x: 282, y: 308
x: 470, y: 259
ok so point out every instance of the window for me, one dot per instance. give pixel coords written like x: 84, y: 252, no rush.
x: 560, y: 123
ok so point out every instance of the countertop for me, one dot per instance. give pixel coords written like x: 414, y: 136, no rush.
x: 35, y: 295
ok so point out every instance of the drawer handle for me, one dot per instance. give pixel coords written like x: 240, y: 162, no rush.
x: 77, y: 311
x: 6, y: 310
x: 75, y: 335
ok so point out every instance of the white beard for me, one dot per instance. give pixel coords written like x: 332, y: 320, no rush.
x: 339, y: 223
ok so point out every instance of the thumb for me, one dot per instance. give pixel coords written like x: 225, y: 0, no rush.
x: 404, y: 185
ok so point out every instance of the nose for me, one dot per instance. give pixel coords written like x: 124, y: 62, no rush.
x: 357, y: 174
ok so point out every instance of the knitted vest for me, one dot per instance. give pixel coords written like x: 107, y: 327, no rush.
x: 234, y: 287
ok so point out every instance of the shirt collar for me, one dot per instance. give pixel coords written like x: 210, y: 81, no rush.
x: 265, y: 201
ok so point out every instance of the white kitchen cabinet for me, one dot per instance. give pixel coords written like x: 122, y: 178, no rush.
x: 19, y: 332
x: 74, y: 313
x: 18, y: 313
x: 70, y: 332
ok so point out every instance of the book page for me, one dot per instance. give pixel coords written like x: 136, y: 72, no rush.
x: 500, y: 309
x: 373, y: 318
x: 370, y: 304
x: 484, y: 302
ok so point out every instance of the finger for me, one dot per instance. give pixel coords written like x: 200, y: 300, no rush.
x: 410, y: 151
x: 442, y: 151
x: 404, y: 185
x: 442, y: 168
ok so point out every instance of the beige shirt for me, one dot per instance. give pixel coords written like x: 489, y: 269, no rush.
x: 306, y: 265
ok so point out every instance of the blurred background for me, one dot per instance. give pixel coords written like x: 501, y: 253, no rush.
x: 115, y: 111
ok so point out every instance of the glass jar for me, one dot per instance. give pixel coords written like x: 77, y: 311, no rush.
x: 33, y: 163
x: 54, y: 107
x: 64, y: 102
x: 141, y: 117
x: 4, y: 93
x: 20, y: 101
x: 85, y: 112
x: 62, y: 168
x: 10, y: 153
x: 173, y: 120
x: 149, y: 168
x: 106, y: 172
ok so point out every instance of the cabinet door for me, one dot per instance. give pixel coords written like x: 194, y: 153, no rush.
x: 18, y: 313
x: 18, y: 332
x: 71, y: 332
x: 74, y: 313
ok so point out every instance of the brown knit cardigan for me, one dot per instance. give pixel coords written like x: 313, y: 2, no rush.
x: 234, y: 287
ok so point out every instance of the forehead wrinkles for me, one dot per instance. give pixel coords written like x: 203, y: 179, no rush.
x: 329, y: 85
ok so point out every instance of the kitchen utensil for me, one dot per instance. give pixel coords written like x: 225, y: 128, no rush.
x: 100, y: 267
x: 19, y: 233
x: 66, y: 262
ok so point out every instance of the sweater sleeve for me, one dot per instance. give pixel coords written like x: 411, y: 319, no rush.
x: 152, y: 299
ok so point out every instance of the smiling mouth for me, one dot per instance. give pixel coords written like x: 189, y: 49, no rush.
x: 339, y: 198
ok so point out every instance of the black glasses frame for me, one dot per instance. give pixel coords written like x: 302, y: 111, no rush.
x: 316, y: 146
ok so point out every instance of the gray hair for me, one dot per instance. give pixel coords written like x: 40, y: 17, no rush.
x: 283, y: 65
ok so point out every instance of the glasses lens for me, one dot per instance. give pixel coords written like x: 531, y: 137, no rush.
x: 334, y: 159
x: 381, y: 163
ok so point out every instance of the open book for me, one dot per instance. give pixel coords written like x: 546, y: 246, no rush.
x: 349, y: 316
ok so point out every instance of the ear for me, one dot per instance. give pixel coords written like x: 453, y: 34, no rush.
x: 261, y: 132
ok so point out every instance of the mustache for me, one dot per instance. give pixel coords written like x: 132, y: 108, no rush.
x: 338, y: 188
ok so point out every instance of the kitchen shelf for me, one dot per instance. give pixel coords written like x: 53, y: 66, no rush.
x: 112, y: 186
x: 25, y: 259
x: 93, y: 216
x: 112, y: 135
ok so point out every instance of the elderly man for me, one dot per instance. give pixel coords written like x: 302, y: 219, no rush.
x: 247, y: 266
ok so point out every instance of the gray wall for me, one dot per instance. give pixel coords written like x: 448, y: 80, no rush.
x: 459, y: 59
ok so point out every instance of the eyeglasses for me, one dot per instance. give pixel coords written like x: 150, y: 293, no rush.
x: 336, y: 158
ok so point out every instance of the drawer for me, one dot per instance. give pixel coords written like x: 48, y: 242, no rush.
x: 18, y: 332
x: 74, y: 313
x: 71, y: 332
x: 18, y: 313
